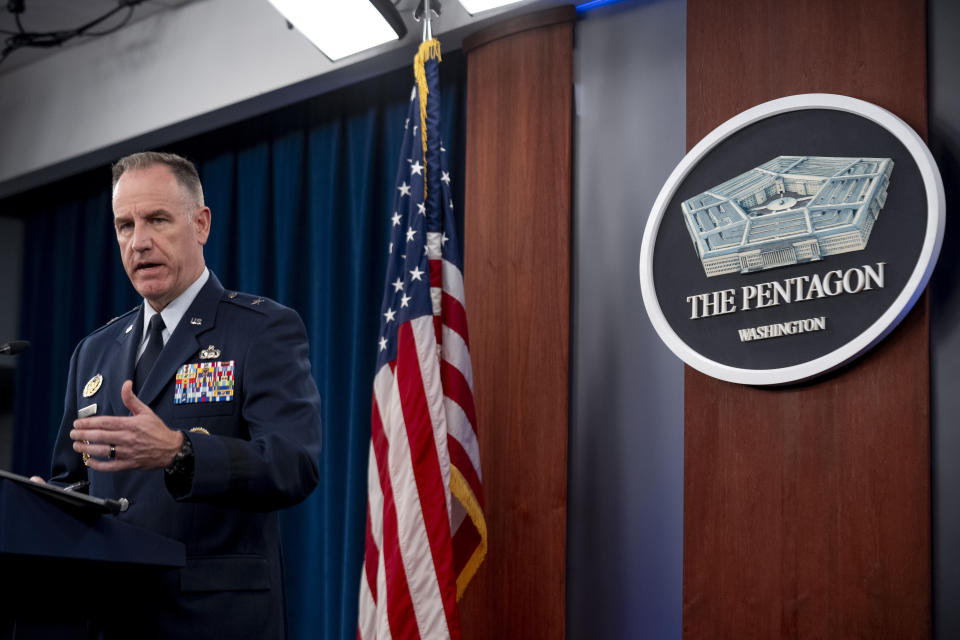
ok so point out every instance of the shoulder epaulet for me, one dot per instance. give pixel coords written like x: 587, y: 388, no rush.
x: 247, y: 300
x: 122, y: 315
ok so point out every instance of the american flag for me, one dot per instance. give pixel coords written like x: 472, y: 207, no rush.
x: 426, y: 532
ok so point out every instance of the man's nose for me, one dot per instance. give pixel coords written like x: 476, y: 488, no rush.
x: 142, y: 238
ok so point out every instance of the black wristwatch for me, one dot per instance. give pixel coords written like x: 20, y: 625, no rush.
x: 182, y: 466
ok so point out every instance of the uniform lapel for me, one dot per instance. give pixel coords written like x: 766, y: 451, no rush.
x: 118, y: 369
x: 128, y: 339
x: 184, y: 341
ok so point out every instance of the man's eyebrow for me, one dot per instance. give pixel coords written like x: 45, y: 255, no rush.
x: 148, y: 214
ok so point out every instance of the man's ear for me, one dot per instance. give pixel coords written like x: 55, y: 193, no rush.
x: 201, y: 224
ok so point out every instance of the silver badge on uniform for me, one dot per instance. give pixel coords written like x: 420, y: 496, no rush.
x: 209, y: 353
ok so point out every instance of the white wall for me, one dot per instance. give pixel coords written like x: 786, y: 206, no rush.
x: 177, y: 73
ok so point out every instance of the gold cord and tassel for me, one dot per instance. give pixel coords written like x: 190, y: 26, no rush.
x: 429, y: 50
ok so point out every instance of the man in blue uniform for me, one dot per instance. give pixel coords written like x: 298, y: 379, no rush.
x: 198, y: 407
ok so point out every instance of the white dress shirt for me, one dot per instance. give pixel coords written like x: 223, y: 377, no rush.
x: 173, y: 312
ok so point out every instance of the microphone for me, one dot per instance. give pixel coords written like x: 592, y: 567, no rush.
x: 13, y: 347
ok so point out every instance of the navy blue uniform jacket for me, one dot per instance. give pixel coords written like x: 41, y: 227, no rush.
x: 260, y: 455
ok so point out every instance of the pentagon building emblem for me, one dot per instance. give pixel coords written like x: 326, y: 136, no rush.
x: 792, y: 272
x: 789, y: 210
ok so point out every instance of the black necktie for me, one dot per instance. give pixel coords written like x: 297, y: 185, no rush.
x: 150, y: 354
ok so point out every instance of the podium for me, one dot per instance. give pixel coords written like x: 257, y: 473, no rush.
x: 67, y: 564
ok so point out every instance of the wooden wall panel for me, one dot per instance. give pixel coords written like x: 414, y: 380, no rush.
x: 517, y: 272
x: 807, y: 509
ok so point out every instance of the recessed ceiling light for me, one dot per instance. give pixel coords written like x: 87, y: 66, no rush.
x: 340, y: 28
x: 474, y: 7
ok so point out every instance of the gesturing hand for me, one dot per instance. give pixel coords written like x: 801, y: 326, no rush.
x: 139, y: 441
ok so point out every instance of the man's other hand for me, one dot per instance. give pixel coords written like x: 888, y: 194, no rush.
x: 138, y: 441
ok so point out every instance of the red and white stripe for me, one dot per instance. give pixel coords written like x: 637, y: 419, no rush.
x: 456, y: 368
x: 423, y: 421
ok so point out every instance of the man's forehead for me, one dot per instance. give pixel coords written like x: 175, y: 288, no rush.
x: 156, y: 177
x: 151, y: 188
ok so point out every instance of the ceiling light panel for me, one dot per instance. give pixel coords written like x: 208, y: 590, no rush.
x: 474, y: 7
x: 339, y: 28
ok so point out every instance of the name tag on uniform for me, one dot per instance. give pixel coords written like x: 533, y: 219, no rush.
x: 87, y: 411
x: 205, y: 382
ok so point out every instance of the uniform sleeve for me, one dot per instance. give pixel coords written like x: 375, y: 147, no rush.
x: 67, y: 466
x: 277, y: 466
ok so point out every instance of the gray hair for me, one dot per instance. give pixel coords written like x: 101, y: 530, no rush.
x: 183, y: 170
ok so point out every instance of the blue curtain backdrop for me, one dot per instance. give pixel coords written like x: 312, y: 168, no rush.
x: 300, y: 202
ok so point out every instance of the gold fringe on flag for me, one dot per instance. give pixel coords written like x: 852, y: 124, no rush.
x: 462, y: 491
x: 429, y: 50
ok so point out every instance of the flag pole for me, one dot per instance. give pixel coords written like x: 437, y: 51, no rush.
x: 423, y: 13
x: 427, y: 31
